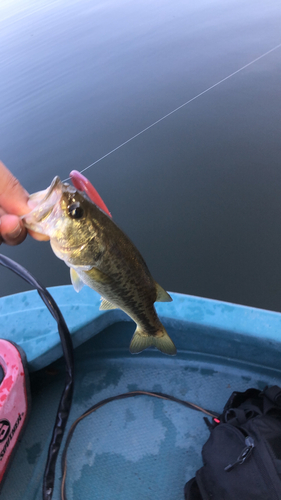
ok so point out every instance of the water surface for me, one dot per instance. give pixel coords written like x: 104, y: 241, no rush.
x: 199, y: 193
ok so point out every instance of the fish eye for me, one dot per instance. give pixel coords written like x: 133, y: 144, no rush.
x: 75, y: 211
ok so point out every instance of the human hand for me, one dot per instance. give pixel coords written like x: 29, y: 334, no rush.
x: 13, y: 204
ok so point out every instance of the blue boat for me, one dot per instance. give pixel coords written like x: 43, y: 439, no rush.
x: 142, y: 447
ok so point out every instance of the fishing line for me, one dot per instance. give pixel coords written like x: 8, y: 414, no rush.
x: 180, y: 107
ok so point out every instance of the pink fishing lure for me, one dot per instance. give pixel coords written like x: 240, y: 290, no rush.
x: 83, y: 184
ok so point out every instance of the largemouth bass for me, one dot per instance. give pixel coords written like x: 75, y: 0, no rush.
x: 101, y: 256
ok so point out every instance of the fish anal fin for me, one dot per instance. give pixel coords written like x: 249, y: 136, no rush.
x: 162, y: 295
x: 106, y: 305
x: 76, y: 280
x: 141, y: 340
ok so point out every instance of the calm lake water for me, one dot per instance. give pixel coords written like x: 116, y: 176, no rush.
x: 200, y: 192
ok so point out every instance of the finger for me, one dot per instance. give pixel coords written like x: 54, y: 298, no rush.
x: 13, y: 197
x: 14, y: 200
x: 12, y: 230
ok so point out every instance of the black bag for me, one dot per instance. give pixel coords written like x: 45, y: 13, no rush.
x: 242, y: 457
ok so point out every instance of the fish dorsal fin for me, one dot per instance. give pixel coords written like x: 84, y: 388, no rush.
x: 162, y: 295
x: 76, y: 280
x: 105, y: 305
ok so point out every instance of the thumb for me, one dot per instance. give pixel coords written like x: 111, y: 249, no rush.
x: 13, y: 197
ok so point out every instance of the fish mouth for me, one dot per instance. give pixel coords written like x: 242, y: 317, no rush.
x: 44, y: 203
x: 59, y: 248
x: 71, y: 255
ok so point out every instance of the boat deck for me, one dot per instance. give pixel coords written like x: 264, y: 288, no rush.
x: 142, y: 447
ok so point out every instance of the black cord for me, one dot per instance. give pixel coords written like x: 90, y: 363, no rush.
x: 95, y: 407
x: 66, y: 398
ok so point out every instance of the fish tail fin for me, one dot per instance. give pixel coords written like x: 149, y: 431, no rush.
x: 161, y: 340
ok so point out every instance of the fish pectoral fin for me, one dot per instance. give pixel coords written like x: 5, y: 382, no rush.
x: 76, y: 280
x: 161, y: 340
x: 162, y: 295
x: 106, y: 305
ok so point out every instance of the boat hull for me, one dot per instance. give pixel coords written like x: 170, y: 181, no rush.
x: 140, y: 447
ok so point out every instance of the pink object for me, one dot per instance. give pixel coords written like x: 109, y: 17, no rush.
x: 13, y: 401
x: 83, y: 184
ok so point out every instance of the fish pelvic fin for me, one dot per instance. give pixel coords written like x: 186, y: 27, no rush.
x: 162, y: 295
x: 76, y: 280
x: 141, y: 340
